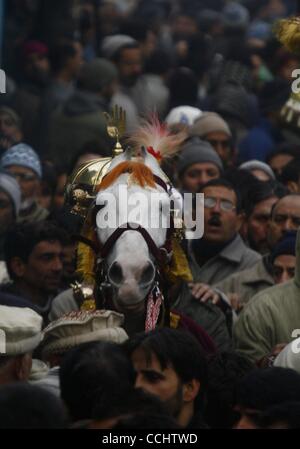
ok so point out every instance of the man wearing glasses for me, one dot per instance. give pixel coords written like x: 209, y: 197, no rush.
x: 22, y: 162
x: 221, y: 252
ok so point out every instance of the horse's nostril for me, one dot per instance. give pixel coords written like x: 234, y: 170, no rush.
x: 115, y: 273
x: 148, y: 274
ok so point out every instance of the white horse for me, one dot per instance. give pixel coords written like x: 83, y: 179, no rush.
x: 134, y: 250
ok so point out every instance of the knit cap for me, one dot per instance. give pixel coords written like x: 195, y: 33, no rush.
x: 258, y: 165
x: 197, y: 151
x: 24, y: 156
x: 209, y: 122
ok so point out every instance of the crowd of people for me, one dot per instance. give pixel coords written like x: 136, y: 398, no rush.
x: 215, y: 72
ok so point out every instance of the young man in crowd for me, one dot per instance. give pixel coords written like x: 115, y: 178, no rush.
x: 170, y: 365
x: 33, y: 255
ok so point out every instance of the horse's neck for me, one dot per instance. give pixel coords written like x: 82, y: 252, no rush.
x: 134, y: 323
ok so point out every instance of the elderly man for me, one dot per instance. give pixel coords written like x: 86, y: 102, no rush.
x: 241, y: 287
x: 20, y: 334
x: 221, y: 251
x: 23, y: 163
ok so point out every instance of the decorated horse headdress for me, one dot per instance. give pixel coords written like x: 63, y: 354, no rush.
x: 150, y: 139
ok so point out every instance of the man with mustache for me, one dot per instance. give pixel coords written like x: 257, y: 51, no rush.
x: 221, y: 251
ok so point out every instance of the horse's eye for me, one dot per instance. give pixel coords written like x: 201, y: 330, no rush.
x: 116, y: 274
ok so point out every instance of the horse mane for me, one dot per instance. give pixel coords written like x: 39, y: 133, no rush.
x: 139, y: 174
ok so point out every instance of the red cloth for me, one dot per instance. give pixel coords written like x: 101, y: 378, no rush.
x: 199, y: 333
x: 34, y: 47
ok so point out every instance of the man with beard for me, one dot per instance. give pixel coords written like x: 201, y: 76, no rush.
x: 33, y: 255
x: 170, y: 364
x: 260, y: 201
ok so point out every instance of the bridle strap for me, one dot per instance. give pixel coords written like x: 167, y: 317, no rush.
x: 158, y: 253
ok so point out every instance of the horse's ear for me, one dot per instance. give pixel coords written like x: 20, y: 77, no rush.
x: 144, y: 153
x: 128, y: 154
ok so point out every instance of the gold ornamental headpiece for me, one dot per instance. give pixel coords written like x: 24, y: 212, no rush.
x: 116, y: 127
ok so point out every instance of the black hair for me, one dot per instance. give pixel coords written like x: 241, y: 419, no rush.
x: 119, y: 402
x: 243, y: 181
x: 90, y: 369
x: 183, y: 85
x: 284, y: 148
x: 146, y: 421
x: 100, y: 146
x: 291, y: 172
x: 287, y: 414
x: 175, y: 348
x: 117, y: 56
x: 225, y: 370
x: 261, y: 191
x: 264, y: 388
x: 24, y: 406
x: 21, y: 240
x: 158, y: 63
x: 60, y: 53
x: 222, y: 182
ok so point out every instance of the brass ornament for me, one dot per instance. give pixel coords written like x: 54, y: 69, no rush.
x: 116, y: 127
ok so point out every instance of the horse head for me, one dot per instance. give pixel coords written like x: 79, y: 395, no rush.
x: 133, y: 226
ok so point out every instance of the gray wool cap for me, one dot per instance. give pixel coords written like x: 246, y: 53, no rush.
x: 258, y: 165
x: 197, y: 151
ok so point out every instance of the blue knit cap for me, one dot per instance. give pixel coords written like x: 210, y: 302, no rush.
x: 24, y: 156
x: 286, y: 246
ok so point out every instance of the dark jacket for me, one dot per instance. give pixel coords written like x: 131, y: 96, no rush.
x: 78, y: 122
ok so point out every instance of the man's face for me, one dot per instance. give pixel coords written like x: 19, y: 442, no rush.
x: 130, y: 66
x: 197, y: 175
x: 163, y: 383
x: 7, y: 216
x: 248, y: 419
x: 222, y: 145
x: 44, y: 267
x: 285, y: 217
x: 27, y: 179
x: 221, y: 220
x: 258, y: 223
x: 284, y: 268
x: 37, y: 68
x: 9, y: 129
x: 279, y: 161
